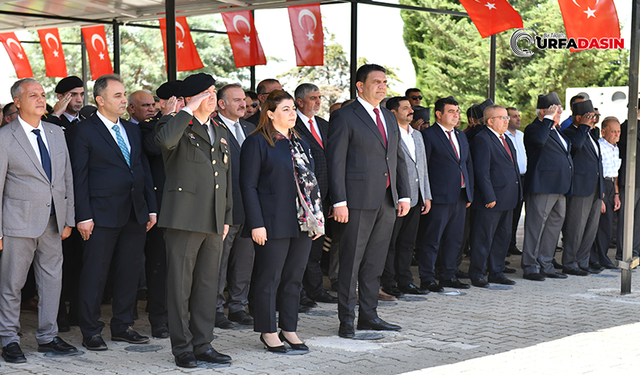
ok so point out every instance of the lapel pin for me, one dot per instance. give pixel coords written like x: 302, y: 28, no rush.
x: 223, y: 141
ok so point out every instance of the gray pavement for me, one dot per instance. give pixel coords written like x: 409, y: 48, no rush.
x: 573, y: 326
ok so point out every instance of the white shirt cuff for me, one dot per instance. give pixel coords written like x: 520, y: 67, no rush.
x: 549, y: 117
x: 340, y: 204
x: 408, y: 200
x: 188, y: 110
x: 85, y: 221
x: 153, y: 213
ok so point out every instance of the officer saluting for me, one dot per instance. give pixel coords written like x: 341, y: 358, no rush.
x: 196, y: 212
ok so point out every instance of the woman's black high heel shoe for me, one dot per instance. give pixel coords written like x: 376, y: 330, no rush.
x: 274, y: 349
x: 293, y: 346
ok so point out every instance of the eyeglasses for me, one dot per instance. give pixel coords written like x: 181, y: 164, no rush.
x: 254, y: 105
x: 416, y: 97
x: 12, y: 113
x: 506, y: 118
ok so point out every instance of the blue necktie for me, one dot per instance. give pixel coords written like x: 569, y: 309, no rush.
x: 46, y: 159
x: 122, y: 144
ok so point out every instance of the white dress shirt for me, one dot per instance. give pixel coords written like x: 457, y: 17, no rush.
x: 231, y: 125
x: 521, y: 153
x: 109, y: 124
x: 305, y: 121
x: 407, y: 139
x: 454, y: 138
x: 33, y: 139
x: 71, y: 117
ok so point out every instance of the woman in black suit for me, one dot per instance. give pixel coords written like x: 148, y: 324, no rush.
x: 283, y: 211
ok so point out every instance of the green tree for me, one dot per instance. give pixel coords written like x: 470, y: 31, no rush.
x: 450, y: 58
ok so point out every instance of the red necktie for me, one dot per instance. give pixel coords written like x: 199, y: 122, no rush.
x: 315, y: 133
x: 506, y: 147
x: 457, y: 156
x: 384, y: 135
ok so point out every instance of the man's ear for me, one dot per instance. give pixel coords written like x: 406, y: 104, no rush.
x: 359, y: 86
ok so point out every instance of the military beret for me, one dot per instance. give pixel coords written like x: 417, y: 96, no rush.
x: 420, y: 112
x: 546, y: 101
x: 580, y: 108
x: 68, y: 84
x: 87, y: 111
x: 481, y: 107
x: 195, y: 84
x: 169, y: 89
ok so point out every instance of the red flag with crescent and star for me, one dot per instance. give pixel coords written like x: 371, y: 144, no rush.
x: 186, y: 52
x: 590, y: 18
x: 17, y: 55
x: 53, y: 54
x: 247, y: 50
x: 95, y: 41
x: 492, y: 16
x: 308, y: 36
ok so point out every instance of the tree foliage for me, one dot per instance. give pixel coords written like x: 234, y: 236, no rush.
x: 450, y: 58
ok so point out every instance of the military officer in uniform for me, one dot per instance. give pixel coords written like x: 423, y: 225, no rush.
x: 196, y: 212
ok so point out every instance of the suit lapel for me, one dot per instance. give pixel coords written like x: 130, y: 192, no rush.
x: 364, y: 116
x: 232, y: 135
x: 405, y: 148
x: 498, y: 143
x: 23, y: 141
x: 133, y: 144
x: 555, y: 135
x: 445, y: 140
x: 197, y: 128
x: 101, y: 128
x: 51, y: 143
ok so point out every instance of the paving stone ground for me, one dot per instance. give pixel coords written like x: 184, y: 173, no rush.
x: 581, y: 323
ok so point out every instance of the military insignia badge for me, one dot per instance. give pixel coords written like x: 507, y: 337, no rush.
x: 192, y: 136
x: 223, y: 141
x: 225, y: 159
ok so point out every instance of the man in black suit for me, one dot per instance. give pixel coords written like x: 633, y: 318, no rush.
x: 265, y: 87
x: 236, y: 263
x: 313, y: 129
x: 115, y: 206
x: 70, y: 95
x: 368, y: 180
x: 497, y: 191
x: 584, y: 205
x: 548, y: 180
x: 451, y: 179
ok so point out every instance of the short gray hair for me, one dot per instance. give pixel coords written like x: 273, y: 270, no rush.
x: 16, y: 88
x: 222, y: 93
x: 608, y: 120
x: 304, y: 89
x: 102, y: 82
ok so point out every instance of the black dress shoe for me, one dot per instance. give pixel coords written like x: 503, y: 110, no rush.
x: 13, y: 354
x: 412, y: 289
x: 301, y: 346
x: 273, y: 349
x: 58, y: 346
x: 212, y: 356
x: 432, y: 286
x: 596, y: 266
x: 454, y: 283
x: 555, y: 275
x: 186, y: 359
x: 609, y: 266
x: 514, y: 251
x: 346, y: 330
x: 501, y: 280
x: 536, y: 276
x: 377, y: 324
x: 461, y: 275
x: 509, y: 270
x: 556, y: 265
x: 130, y: 336
x: 394, y: 291
x: 307, y: 302
x: 94, y: 342
x: 223, y: 322
x: 575, y: 271
x: 325, y: 297
x: 160, y: 331
x: 241, y: 317
x: 303, y: 309
x: 480, y: 283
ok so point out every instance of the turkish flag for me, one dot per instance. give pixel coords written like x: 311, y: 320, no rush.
x: 53, y: 54
x: 247, y: 50
x: 308, y: 37
x: 186, y: 52
x: 95, y: 41
x: 492, y: 16
x: 590, y: 19
x: 17, y: 55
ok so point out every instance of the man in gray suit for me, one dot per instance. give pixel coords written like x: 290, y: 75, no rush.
x: 397, y: 278
x: 37, y: 213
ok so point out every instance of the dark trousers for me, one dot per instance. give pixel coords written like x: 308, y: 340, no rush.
x: 71, y: 267
x: 397, y: 269
x: 312, y: 280
x: 636, y: 224
x: 156, y: 274
x: 600, y: 246
x: 516, y: 219
x: 363, y: 251
x: 441, y: 239
x: 490, y: 242
x: 236, y: 266
x: 122, y: 246
x: 277, y: 276
x: 193, y: 261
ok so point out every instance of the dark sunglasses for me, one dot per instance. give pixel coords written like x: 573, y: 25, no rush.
x: 416, y: 97
x: 254, y: 105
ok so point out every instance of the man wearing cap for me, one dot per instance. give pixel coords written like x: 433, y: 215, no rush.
x: 70, y: 94
x: 571, y: 120
x: 548, y: 179
x: 478, y: 110
x: 196, y: 212
x: 585, y: 203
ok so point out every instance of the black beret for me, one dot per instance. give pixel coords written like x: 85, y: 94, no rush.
x: 169, y: 89
x: 546, y: 101
x: 87, y: 111
x: 68, y: 84
x: 195, y: 84
x: 481, y: 107
x: 471, y: 112
x: 580, y: 108
x: 420, y: 112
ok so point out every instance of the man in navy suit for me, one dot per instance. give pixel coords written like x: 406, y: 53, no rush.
x: 115, y: 206
x: 497, y: 191
x: 313, y: 129
x: 548, y: 180
x: 584, y: 205
x: 451, y: 179
x: 368, y: 180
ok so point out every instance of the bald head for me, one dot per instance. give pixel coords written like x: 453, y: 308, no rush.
x: 141, y: 105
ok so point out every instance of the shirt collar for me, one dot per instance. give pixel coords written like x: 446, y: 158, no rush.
x: 28, y: 128
x: 71, y: 117
x: 402, y: 131
x: 228, y: 122
x: 368, y: 105
x: 494, y: 132
x: 445, y: 129
x: 302, y: 116
x: 106, y: 121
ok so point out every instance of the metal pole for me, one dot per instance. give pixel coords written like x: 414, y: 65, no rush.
x: 116, y: 47
x: 252, y: 70
x: 354, y: 47
x: 632, y: 140
x: 172, y: 64
x: 492, y: 70
x: 85, y: 76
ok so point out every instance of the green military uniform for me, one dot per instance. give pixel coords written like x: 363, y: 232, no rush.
x: 196, y: 205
